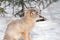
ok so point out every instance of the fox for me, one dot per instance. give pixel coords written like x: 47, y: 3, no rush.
x: 20, y: 28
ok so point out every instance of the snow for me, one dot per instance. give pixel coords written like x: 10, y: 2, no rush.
x: 46, y: 30
x: 2, y: 27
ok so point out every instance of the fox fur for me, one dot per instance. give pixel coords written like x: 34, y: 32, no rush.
x: 21, y: 27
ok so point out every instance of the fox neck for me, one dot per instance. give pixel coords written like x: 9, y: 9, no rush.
x: 29, y: 18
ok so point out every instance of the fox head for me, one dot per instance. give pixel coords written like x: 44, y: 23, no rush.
x: 35, y: 14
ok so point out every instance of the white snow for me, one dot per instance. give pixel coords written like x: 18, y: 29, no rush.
x: 2, y: 27
x: 46, y: 30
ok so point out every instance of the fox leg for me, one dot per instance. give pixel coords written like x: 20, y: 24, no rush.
x: 26, y: 36
x: 11, y: 38
x: 29, y: 36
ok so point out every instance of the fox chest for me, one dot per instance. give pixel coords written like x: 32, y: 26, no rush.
x: 26, y: 26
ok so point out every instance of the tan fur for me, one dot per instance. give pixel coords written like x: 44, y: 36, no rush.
x: 21, y: 27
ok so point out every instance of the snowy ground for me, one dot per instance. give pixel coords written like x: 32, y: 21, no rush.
x: 46, y: 30
x: 2, y: 27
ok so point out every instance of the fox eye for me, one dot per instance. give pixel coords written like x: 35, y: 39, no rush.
x: 32, y: 13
